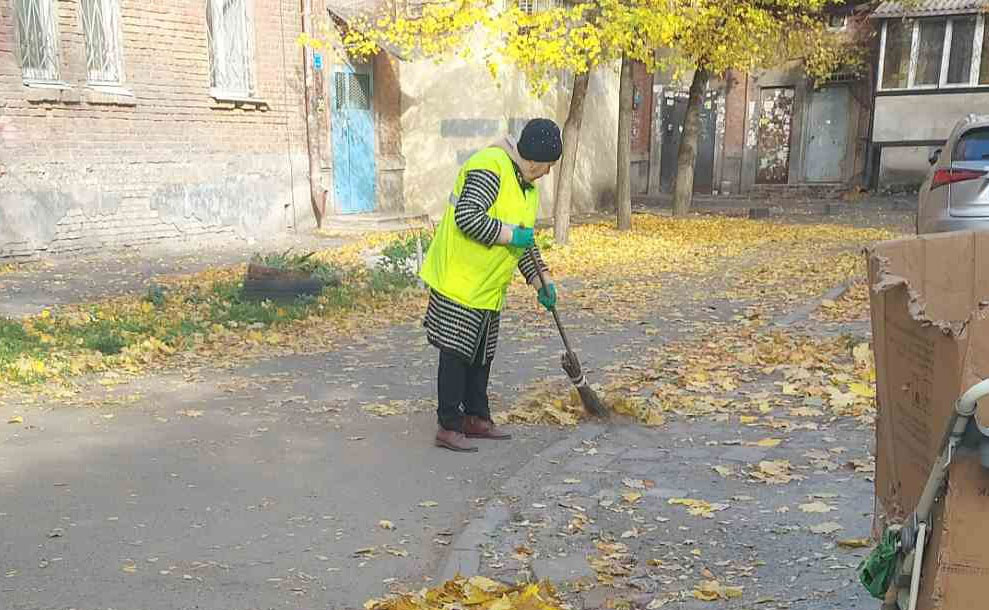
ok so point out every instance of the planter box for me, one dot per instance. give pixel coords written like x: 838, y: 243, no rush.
x: 263, y: 282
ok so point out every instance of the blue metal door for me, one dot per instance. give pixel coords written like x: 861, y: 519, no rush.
x: 352, y: 134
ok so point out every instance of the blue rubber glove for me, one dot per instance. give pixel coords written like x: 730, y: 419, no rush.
x: 547, y: 296
x: 523, y: 238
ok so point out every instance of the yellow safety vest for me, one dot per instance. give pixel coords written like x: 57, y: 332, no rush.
x: 465, y: 270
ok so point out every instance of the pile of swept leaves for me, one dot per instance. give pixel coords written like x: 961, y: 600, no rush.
x: 477, y: 592
x: 546, y: 407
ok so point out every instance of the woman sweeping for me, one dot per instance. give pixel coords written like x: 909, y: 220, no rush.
x: 484, y: 235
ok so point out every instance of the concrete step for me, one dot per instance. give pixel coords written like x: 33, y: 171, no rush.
x: 370, y: 223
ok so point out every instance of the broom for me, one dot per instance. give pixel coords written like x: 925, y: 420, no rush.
x: 569, y: 361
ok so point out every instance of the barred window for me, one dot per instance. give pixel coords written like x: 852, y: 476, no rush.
x: 531, y: 7
x: 231, y: 46
x: 101, y: 23
x: 37, y: 39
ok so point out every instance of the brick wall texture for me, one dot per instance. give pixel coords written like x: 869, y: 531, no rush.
x: 82, y: 170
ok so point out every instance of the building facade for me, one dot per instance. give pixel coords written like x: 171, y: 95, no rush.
x: 932, y: 70
x: 125, y: 122
x: 426, y: 118
x: 770, y: 131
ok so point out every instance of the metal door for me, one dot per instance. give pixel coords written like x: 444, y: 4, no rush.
x: 704, y: 164
x: 352, y: 135
x: 827, y: 134
x: 673, y: 113
x: 773, y: 135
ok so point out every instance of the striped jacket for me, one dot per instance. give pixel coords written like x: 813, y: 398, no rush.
x: 473, y: 333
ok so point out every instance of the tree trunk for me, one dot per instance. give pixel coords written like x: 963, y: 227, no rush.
x: 683, y: 183
x: 568, y: 163
x: 313, y: 86
x: 623, y: 190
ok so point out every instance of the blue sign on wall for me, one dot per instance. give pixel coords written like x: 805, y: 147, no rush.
x: 317, y: 61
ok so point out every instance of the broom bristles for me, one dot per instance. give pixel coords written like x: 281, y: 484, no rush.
x: 592, y: 403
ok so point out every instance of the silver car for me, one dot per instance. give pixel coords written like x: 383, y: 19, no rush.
x: 955, y: 194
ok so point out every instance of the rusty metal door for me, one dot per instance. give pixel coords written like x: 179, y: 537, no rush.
x: 773, y: 135
x: 673, y: 113
x: 827, y: 134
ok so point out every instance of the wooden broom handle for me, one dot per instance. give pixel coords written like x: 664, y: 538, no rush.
x: 556, y: 317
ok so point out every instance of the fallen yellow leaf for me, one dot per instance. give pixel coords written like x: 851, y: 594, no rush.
x: 854, y: 543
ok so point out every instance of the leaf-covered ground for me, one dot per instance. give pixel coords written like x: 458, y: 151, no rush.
x: 291, y: 456
x: 203, y: 316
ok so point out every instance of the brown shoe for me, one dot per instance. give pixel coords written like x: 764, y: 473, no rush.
x: 453, y: 440
x: 478, y: 427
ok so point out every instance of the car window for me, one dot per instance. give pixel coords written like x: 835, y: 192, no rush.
x: 973, y: 146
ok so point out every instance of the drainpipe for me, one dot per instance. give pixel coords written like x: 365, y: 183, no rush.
x: 870, y: 167
x: 313, y: 92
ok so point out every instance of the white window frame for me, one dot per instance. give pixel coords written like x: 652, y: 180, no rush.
x: 838, y: 28
x: 973, y: 80
x: 533, y: 7
x: 112, y: 33
x: 218, y: 53
x: 48, y: 9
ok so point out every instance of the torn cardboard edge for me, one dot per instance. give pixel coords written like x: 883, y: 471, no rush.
x: 917, y: 305
x: 928, y: 304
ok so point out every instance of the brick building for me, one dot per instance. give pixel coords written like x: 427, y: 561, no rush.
x: 126, y: 122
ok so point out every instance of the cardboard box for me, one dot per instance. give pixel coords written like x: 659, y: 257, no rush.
x: 928, y: 299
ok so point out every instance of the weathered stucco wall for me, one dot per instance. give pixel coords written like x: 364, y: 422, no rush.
x: 909, y: 127
x: 82, y: 170
x: 453, y: 109
x: 923, y: 117
x: 903, y: 167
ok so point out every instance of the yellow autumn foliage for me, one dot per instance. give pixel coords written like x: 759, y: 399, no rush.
x: 579, y: 36
x: 477, y: 592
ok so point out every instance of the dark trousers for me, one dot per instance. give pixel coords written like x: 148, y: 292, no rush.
x: 463, y: 389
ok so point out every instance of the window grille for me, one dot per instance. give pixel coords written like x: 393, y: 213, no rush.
x: 231, y: 46
x: 101, y: 24
x: 37, y: 39
x: 352, y: 91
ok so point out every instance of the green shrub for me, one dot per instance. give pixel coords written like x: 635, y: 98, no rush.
x: 399, y: 257
x: 103, y: 338
x: 304, y: 263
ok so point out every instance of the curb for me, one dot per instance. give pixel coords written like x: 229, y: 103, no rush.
x: 805, y: 310
x: 465, y: 554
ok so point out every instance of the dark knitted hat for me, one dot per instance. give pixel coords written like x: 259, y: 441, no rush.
x: 540, y: 141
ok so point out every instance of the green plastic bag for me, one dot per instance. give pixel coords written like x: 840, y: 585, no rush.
x: 876, y: 570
